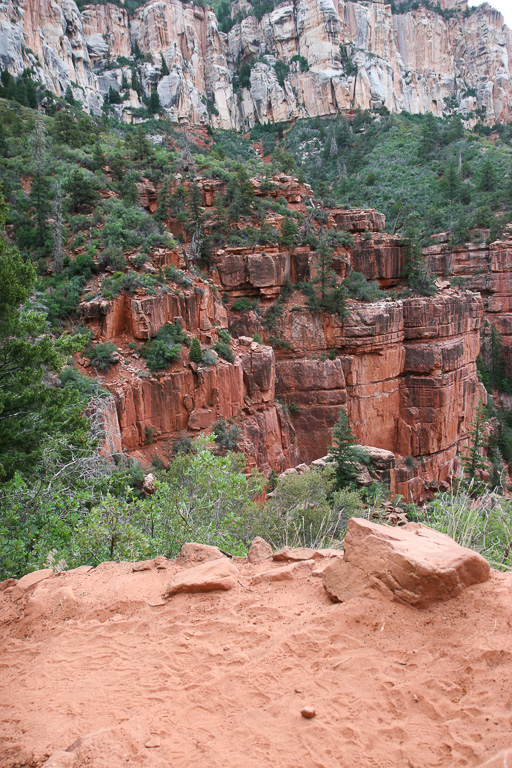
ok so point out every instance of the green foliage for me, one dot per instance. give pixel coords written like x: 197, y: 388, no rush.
x: 408, y: 165
x: 306, y: 510
x: 30, y: 409
x: 301, y: 61
x: 82, y: 190
x: 343, y: 453
x: 165, y: 348
x: 282, y: 70
x: 227, y: 436
x: 483, y: 523
x: 358, y: 287
x: 223, y: 349
x: 103, y: 356
x: 289, y: 231
x: 196, y: 353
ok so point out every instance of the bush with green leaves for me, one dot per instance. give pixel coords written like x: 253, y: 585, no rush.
x: 244, y: 305
x: 308, y: 511
x: 165, y: 348
x: 223, y: 349
x: 358, y: 287
x: 227, y: 436
x: 103, y: 356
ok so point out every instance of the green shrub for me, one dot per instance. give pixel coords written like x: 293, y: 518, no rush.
x: 103, y: 356
x: 165, y: 348
x: 196, y: 353
x: 243, y: 305
x: 358, y: 287
x: 149, y: 433
x: 224, y: 350
x: 227, y: 435
x: 112, y: 256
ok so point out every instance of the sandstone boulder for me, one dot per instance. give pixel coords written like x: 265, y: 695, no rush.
x: 343, y: 581
x: 29, y: 581
x: 207, y: 577
x: 259, y: 551
x: 414, y: 563
x: 193, y: 554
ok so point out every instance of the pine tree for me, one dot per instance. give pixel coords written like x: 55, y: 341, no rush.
x: 58, y: 227
x: 164, y: 69
x: 418, y: 276
x: 325, y: 277
x: 154, y: 102
x: 288, y: 232
x: 98, y: 160
x: 196, y: 353
x: 68, y: 96
x: 343, y: 453
x: 40, y: 190
x: 474, y: 462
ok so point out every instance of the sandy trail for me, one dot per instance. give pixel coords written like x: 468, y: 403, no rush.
x: 219, y: 679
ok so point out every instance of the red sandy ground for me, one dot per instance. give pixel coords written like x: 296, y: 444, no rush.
x: 219, y: 679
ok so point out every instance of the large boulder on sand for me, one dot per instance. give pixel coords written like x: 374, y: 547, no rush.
x: 207, y: 577
x: 414, y: 564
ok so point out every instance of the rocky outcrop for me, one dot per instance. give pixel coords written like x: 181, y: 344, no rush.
x: 482, y: 267
x: 339, y: 55
x: 412, y: 564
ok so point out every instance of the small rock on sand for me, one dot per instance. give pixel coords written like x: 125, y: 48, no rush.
x: 30, y: 580
x: 259, y: 551
x: 193, y: 554
x: 217, y: 574
x: 308, y: 712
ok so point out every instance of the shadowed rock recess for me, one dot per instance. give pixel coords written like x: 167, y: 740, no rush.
x: 336, y: 56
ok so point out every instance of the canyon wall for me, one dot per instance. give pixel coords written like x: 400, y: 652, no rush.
x: 405, y: 369
x: 340, y: 54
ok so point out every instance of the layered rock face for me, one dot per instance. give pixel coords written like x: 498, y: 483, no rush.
x: 340, y: 55
x: 483, y: 268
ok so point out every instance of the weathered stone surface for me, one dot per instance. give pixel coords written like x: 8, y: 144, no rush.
x: 415, y: 564
x: 501, y: 760
x: 343, y: 581
x: 208, y: 577
x: 415, y: 61
x: 30, y: 580
x: 193, y: 554
x: 286, y: 572
x: 296, y: 554
x: 259, y: 551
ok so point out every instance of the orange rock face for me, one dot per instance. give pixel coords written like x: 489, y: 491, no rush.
x: 404, y: 369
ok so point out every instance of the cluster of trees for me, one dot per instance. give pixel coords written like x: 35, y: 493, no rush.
x: 420, y: 169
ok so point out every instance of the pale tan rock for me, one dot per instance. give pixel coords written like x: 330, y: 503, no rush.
x: 415, y: 564
x: 192, y: 554
x: 29, y: 581
x: 285, y: 573
x: 343, y: 581
x: 259, y: 551
x: 218, y: 574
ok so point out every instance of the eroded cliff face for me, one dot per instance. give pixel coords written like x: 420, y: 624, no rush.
x: 405, y: 369
x: 355, y: 54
